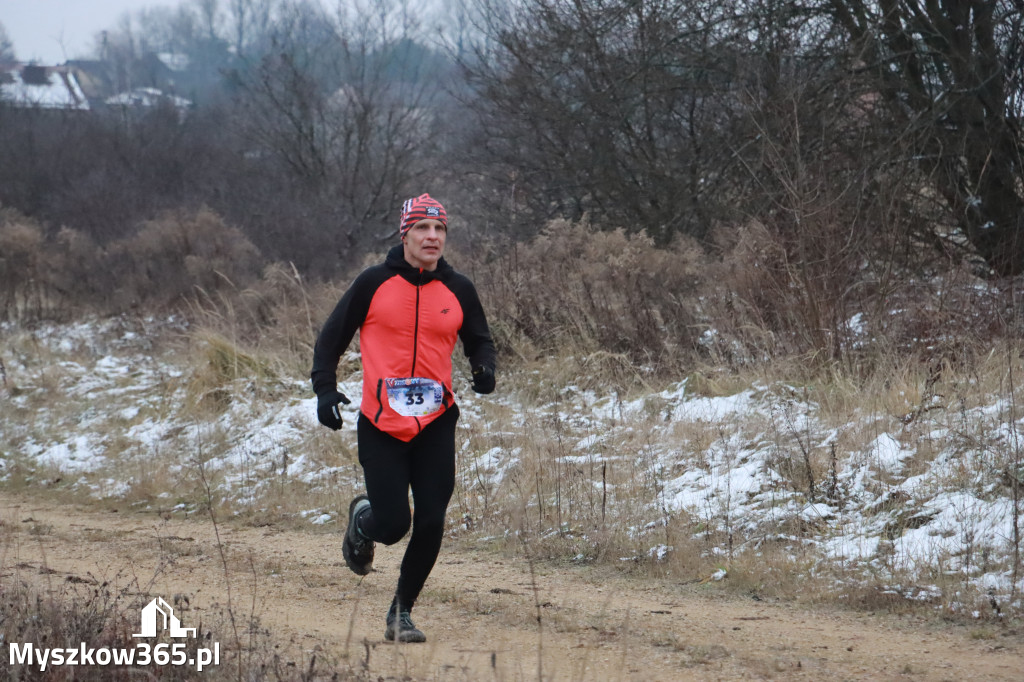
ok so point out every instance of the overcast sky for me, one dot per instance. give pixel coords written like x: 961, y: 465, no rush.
x: 51, y: 31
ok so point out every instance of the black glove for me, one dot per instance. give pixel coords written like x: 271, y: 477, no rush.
x: 483, y: 379
x: 327, y: 410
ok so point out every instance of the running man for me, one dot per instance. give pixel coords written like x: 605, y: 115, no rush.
x: 408, y: 310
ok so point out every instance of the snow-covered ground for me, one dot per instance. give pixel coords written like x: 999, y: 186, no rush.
x: 920, y: 504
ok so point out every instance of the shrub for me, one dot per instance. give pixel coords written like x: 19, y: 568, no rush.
x: 170, y: 257
x: 574, y: 290
x: 24, y: 287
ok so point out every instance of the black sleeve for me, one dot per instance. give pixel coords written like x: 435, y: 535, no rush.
x: 335, y: 336
x: 475, y: 334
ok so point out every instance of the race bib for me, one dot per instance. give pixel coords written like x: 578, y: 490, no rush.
x: 414, y: 397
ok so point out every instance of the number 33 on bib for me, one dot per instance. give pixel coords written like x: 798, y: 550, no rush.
x: 415, y: 396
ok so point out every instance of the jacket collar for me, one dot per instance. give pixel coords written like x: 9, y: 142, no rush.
x: 396, y: 261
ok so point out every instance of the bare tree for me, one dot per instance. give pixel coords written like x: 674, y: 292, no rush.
x: 6, y: 46
x: 250, y: 22
x: 950, y: 77
x: 339, y: 104
x: 614, y: 109
x: 209, y: 17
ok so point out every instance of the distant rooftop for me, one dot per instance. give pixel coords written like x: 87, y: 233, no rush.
x: 174, y: 61
x: 147, y: 97
x: 41, y: 87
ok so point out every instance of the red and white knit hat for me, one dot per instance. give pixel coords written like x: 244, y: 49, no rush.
x: 422, y: 207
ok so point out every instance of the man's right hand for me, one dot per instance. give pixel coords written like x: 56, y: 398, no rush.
x: 327, y: 410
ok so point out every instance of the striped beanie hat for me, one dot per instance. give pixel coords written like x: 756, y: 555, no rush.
x: 422, y: 207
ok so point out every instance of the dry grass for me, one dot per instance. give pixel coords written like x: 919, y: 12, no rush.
x: 596, y: 506
x: 75, y: 612
x: 612, y: 302
x: 537, y: 467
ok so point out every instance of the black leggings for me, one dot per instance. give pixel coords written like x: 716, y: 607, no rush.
x: 391, y: 467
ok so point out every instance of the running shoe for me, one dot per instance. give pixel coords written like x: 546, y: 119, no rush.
x: 357, y: 549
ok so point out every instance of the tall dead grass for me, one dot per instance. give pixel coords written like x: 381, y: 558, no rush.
x: 63, y: 274
x: 583, y: 317
x: 608, y: 298
x: 587, y: 322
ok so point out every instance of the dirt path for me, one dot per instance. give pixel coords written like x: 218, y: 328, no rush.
x: 480, y: 612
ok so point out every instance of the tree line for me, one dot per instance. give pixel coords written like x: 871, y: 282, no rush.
x: 855, y: 141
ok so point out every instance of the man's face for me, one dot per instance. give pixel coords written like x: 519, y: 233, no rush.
x: 424, y: 243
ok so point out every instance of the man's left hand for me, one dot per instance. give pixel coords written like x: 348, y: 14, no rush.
x: 483, y: 379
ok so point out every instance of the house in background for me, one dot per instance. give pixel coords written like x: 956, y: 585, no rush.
x: 149, y: 81
x: 122, y: 85
x: 95, y: 77
x: 32, y: 86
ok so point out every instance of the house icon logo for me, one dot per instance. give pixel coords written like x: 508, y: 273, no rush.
x: 158, y: 616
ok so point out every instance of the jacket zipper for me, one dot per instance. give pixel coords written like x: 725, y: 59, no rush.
x: 415, y: 343
x: 415, y: 339
x: 416, y: 326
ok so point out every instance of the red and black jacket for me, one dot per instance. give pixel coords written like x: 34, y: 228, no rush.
x: 408, y: 320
